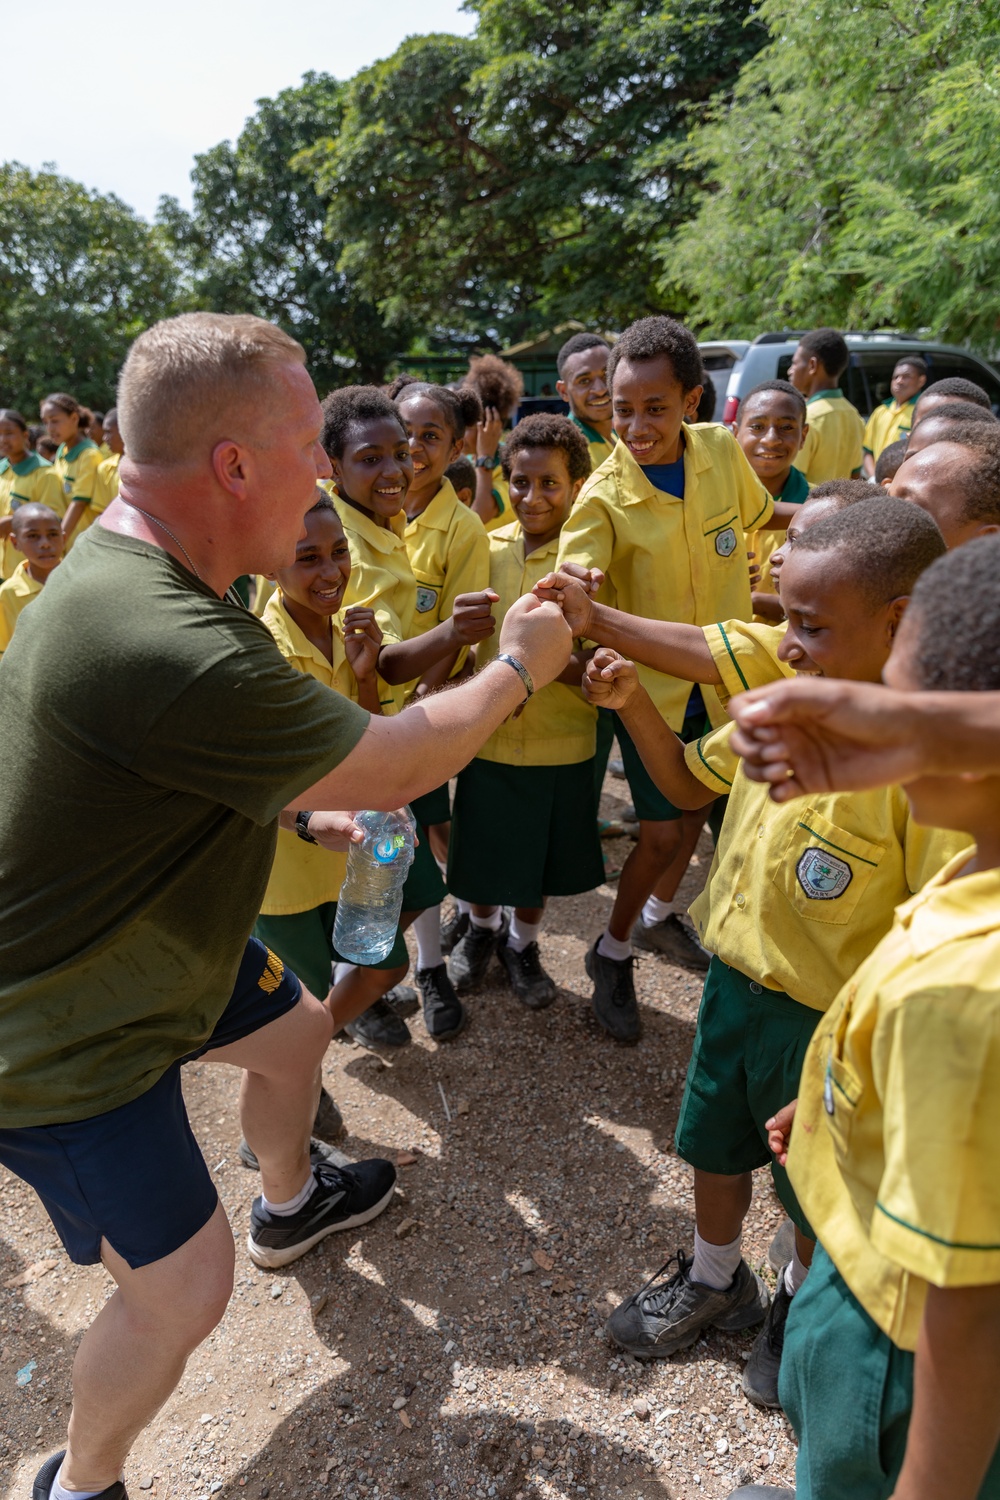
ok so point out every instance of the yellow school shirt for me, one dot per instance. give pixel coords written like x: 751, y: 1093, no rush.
x: 800, y: 892
x: 557, y: 727
x: 105, y: 489
x: 303, y: 875
x: 449, y: 553
x: 263, y: 590
x: 667, y: 558
x: 887, y: 423
x: 77, y: 469
x: 834, y: 444
x: 381, y: 579
x: 33, y: 481
x: 600, y: 447
x: 501, y: 494
x: 763, y: 544
x: 746, y: 655
x: 896, y: 1138
x: 18, y: 591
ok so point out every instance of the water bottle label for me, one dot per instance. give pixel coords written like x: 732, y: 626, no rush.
x: 387, y: 849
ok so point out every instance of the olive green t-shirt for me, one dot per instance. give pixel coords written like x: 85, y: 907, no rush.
x: 150, y: 734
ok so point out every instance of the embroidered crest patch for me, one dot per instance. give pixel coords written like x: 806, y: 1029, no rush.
x: 823, y: 876
x: 725, y: 542
x: 426, y: 599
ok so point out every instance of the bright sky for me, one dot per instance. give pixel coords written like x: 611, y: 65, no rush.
x: 123, y: 96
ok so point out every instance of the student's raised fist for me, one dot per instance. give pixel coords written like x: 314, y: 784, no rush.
x: 591, y: 578
x: 572, y: 597
x: 610, y: 679
x: 362, y: 640
x: 536, y: 633
x: 472, y: 616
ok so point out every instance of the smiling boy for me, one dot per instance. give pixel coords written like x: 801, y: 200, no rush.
x: 771, y: 429
x: 957, y: 482
x: 36, y: 532
x: 582, y: 363
x: 893, y: 418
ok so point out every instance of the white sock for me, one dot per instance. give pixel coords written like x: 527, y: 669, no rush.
x: 60, y: 1492
x: 427, y: 931
x: 715, y: 1265
x: 658, y: 911
x: 341, y: 971
x: 522, y: 933
x: 294, y: 1204
x: 492, y: 923
x: 442, y: 865
x: 795, y: 1274
x: 610, y: 947
x: 463, y: 907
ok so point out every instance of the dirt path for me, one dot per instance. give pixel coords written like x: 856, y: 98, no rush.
x: 464, y: 1357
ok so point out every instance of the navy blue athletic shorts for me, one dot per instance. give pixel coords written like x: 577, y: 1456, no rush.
x: 136, y: 1176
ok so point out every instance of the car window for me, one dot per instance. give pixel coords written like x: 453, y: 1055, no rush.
x: 945, y: 364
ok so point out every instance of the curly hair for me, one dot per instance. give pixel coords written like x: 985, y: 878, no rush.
x: 844, y: 491
x: 957, y: 388
x: 783, y: 388
x: 402, y: 380
x: 957, y: 411
x: 546, y: 430
x: 886, y: 544
x: 956, y: 611
x: 496, y: 382
x: 659, y: 338
x: 348, y: 407
x: 460, y: 409
x: 829, y: 347
x: 576, y: 345
x: 889, y: 460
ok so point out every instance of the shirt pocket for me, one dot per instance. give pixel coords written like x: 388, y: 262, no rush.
x: 842, y: 1088
x: 724, y: 541
x: 824, y: 871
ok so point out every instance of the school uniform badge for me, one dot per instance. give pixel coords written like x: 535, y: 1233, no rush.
x: 426, y: 599
x: 823, y: 876
x: 725, y: 542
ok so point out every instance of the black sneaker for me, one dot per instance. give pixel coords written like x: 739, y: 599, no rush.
x: 472, y: 956
x: 529, y: 981
x: 614, y: 999
x: 444, y: 1014
x: 674, y: 940
x: 345, y: 1197
x: 454, y: 928
x: 403, y: 999
x: 329, y: 1122
x: 319, y: 1151
x: 760, y: 1374
x: 669, y: 1312
x: 45, y: 1478
x: 379, y: 1026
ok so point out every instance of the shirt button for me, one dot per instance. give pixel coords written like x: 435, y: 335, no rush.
x: 760, y: 831
x: 741, y: 900
x: 755, y: 988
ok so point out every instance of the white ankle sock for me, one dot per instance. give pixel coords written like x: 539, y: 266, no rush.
x: 60, y: 1492
x: 795, y: 1274
x: 492, y: 924
x: 715, y: 1265
x: 522, y: 933
x: 294, y: 1204
x: 658, y: 911
x: 610, y: 947
x: 427, y: 931
x: 341, y: 971
x: 464, y: 907
x: 442, y: 865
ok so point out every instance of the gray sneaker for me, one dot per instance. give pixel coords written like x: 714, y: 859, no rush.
x: 782, y: 1247
x: 614, y: 1001
x: 674, y: 940
x: 761, y: 1492
x: 760, y: 1373
x: 670, y: 1311
x: 329, y: 1122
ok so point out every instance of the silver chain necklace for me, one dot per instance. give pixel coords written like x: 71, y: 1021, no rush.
x: 157, y: 522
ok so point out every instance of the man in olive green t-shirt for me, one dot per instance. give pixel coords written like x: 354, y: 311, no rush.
x: 175, y: 736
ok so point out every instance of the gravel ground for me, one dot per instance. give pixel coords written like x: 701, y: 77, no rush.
x: 454, y: 1346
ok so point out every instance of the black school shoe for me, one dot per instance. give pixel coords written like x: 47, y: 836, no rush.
x: 456, y: 927
x: 379, y: 1026
x: 529, y: 981
x: 319, y: 1152
x: 674, y: 940
x: 444, y: 1014
x: 345, y: 1197
x: 403, y: 999
x: 760, y: 1374
x: 670, y: 1311
x: 45, y: 1478
x: 613, y: 1000
x: 472, y: 955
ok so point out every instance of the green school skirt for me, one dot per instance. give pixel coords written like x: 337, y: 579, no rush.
x: 746, y: 1063
x: 521, y: 833
x: 303, y: 940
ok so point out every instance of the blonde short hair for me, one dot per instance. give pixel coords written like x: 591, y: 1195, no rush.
x: 192, y: 380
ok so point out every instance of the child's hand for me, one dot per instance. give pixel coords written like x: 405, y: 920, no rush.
x: 472, y: 617
x: 610, y: 679
x: 591, y: 578
x: 335, y: 831
x: 488, y: 433
x: 572, y: 597
x: 362, y: 640
x: 779, y: 1131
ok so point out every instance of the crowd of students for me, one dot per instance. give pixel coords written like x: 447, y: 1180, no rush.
x: 845, y: 941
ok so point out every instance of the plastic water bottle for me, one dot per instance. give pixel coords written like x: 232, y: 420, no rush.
x: 371, y: 897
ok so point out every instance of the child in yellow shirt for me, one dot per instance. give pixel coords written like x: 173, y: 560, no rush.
x: 892, y: 419
x: 833, y: 448
x: 891, y: 1366
x: 771, y: 429
x: 25, y: 477
x: 36, y: 532
x: 77, y: 457
x: 797, y: 896
x: 582, y: 363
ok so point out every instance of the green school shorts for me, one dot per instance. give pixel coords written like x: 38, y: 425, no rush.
x: 649, y: 802
x: 848, y: 1392
x: 303, y: 941
x: 749, y: 1047
x: 433, y: 807
x: 424, y: 885
x: 521, y: 833
x: 605, y: 740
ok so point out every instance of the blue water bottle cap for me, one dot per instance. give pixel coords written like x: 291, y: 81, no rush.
x: 387, y: 849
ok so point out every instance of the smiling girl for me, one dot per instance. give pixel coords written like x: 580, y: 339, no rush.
x: 77, y: 457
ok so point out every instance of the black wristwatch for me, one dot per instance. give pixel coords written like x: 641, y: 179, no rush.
x: 302, y: 826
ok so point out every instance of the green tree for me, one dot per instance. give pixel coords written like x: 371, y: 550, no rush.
x: 256, y: 241
x: 80, y: 276
x: 490, y: 185
x: 852, y: 181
